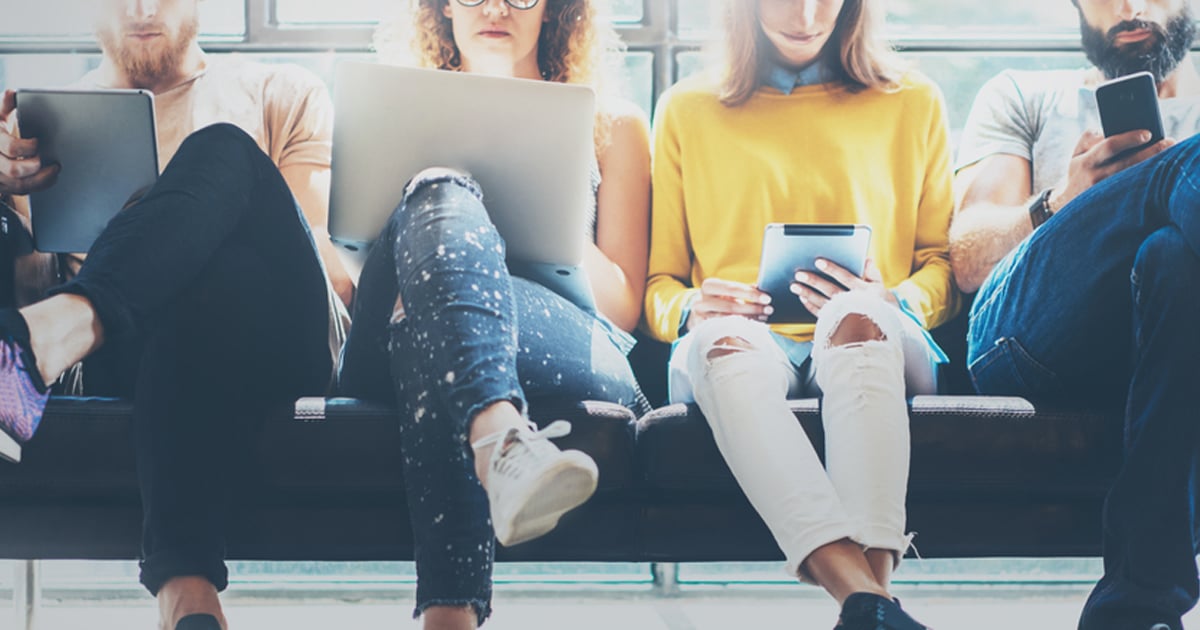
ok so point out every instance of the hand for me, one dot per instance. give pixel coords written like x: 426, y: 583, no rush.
x: 720, y: 298
x: 21, y: 170
x: 816, y: 291
x: 1095, y: 159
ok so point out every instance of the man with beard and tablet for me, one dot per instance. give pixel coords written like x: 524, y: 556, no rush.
x: 205, y: 302
x: 1086, y: 260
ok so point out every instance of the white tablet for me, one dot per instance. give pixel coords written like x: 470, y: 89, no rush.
x: 791, y: 247
x: 104, y: 141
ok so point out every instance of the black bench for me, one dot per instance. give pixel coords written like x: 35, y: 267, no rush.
x: 990, y: 477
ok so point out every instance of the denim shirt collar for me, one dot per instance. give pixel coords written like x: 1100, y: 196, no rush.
x: 784, y: 79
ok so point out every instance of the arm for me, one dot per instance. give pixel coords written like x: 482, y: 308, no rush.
x: 993, y: 197
x: 305, y: 125
x: 668, y: 287
x: 929, y: 290
x: 616, y: 264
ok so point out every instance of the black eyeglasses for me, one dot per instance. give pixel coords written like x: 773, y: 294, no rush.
x: 521, y: 5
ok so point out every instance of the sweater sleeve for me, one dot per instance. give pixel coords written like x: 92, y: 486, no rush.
x: 930, y: 290
x: 668, y: 286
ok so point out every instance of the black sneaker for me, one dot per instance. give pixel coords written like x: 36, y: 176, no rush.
x: 868, y: 611
x: 198, y: 622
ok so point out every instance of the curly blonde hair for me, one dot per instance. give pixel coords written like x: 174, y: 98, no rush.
x: 577, y: 45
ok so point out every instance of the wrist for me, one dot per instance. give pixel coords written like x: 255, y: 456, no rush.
x: 1040, y: 209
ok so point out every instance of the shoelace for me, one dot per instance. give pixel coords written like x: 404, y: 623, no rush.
x: 526, y: 449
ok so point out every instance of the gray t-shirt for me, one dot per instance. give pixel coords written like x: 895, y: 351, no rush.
x: 1040, y: 115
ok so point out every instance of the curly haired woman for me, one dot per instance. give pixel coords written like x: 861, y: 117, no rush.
x: 440, y: 323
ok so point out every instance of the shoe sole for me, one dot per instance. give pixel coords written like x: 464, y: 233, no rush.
x: 565, y: 486
x: 10, y: 449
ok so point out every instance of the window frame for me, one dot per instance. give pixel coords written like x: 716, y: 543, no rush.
x: 656, y: 33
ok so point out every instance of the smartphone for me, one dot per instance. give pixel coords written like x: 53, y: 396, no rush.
x: 1130, y: 103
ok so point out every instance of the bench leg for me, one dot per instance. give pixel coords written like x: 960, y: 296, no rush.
x: 666, y: 578
x: 27, y: 593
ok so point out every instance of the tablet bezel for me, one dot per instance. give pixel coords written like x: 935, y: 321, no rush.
x: 791, y: 247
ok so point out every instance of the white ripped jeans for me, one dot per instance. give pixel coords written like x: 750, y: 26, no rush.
x: 860, y: 493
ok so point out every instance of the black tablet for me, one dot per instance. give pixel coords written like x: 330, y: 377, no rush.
x: 104, y: 141
x: 791, y: 247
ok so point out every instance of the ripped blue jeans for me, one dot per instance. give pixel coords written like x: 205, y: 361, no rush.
x: 468, y: 335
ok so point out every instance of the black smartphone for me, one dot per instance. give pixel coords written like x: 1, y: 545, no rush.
x: 1129, y: 103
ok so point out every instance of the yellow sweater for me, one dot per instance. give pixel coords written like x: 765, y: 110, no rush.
x: 819, y: 155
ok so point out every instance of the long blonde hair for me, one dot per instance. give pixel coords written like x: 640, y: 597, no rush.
x: 866, y: 60
x: 577, y: 45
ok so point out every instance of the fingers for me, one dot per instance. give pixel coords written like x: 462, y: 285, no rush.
x: 730, y: 290
x: 1118, y: 165
x: 816, y: 282
x: 1103, y: 153
x: 1087, y: 141
x: 811, y: 299
x: 14, y: 148
x: 40, y: 180
x: 8, y: 104
x: 719, y: 298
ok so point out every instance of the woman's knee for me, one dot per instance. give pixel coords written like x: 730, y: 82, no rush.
x: 856, y: 318
x: 724, y: 337
x: 441, y: 198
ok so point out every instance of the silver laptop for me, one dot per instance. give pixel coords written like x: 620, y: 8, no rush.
x: 528, y: 143
x: 104, y: 141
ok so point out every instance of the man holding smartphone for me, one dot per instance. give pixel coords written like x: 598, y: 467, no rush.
x: 1085, y: 252
x: 205, y: 302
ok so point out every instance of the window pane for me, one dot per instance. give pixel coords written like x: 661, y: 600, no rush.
x: 1011, y: 17
x: 696, y: 18
x: 639, y: 79
x: 371, y: 11
x: 64, y: 18
x: 960, y: 75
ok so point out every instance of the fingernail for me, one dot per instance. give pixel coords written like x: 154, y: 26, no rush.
x: 764, y: 299
x: 801, y: 276
x: 821, y: 264
x: 768, y: 310
x: 1145, y: 136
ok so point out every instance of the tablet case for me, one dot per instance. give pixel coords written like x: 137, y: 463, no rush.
x: 790, y: 247
x: 104, y: 141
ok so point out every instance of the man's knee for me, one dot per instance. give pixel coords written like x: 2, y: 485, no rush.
x: 220, y: 137
x: 1168, y: 263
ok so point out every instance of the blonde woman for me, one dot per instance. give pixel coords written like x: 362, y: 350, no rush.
x: 441, y: 325
x: 809, y: 120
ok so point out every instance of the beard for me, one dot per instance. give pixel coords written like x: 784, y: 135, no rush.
x: 145, y: 64
x: 1159, y: 54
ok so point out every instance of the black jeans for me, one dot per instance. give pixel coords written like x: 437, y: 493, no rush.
x: 215, y: 310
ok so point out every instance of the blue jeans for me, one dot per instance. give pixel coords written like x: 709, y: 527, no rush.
x: 1102, y: 303
x: 469, y: 336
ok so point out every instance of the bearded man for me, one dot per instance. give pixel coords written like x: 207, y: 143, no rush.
x: 1086, y: 259
x: 206, y: 302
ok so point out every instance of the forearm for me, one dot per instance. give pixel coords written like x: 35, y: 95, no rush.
x: 618, y: 296
x: 981, y: 236
x: 339, y: 277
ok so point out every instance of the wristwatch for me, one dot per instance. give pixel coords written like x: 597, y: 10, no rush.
x: 1039, y: 210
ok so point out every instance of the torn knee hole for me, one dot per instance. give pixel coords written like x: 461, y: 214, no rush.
x: 855, y: 328
x: 726, y: 346
x: 398, y: 311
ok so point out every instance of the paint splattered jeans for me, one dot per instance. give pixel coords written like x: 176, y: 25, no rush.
x: 468, y: 335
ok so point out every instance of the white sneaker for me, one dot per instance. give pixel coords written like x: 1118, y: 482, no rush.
x: 531, y: 483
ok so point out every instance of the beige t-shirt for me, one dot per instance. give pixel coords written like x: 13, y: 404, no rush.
x: 285, y: 108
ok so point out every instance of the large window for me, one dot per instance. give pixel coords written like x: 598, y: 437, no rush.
x: 959, y: 43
